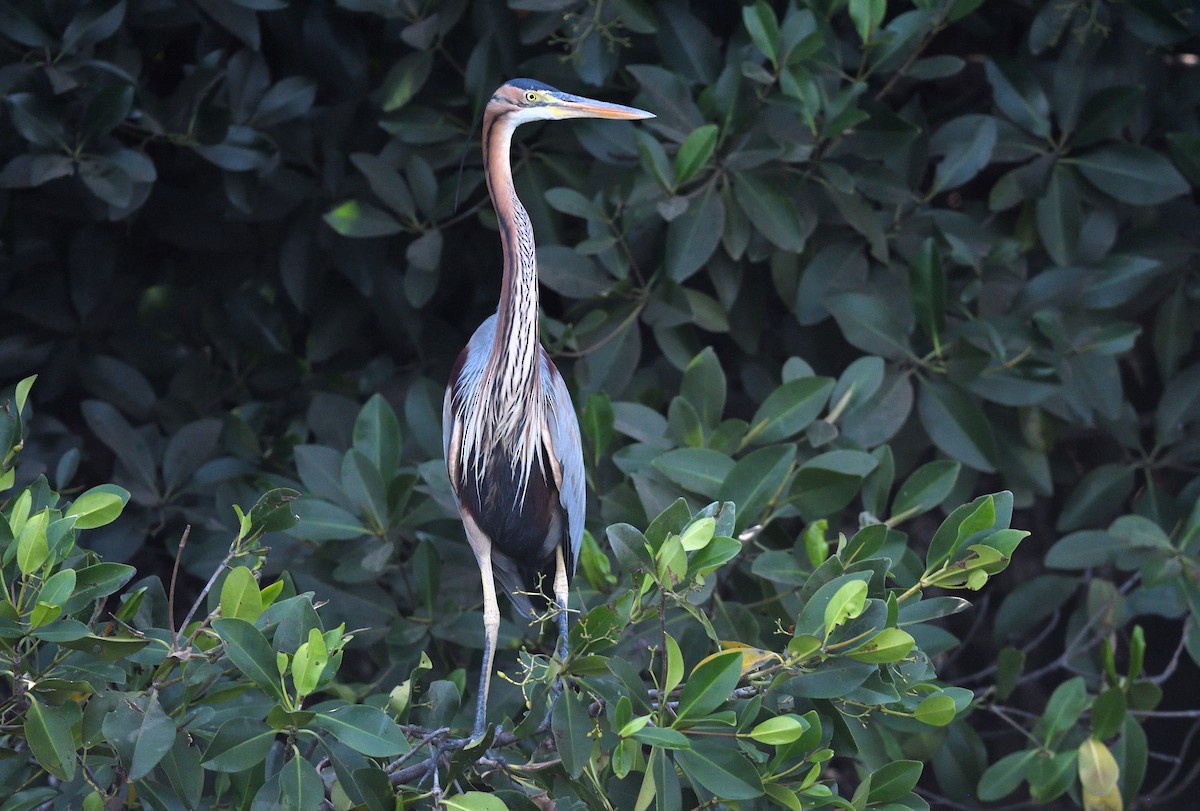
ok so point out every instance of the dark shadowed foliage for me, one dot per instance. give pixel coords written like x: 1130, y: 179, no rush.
x: 870, y: 261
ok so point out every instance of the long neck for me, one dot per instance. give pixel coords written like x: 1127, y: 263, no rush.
x: 514, y: 358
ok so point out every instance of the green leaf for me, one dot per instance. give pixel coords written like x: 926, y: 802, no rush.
x: 961, y: 524
x: 870, y: 324
x: 250, y: 652
x: 1185, y: 149
x: 404, y: 79
x: 763, y: 28
x: 99, y: 506
x: 693, y: 236
x: 308, y: 665
x: 780, y: 730
x: 926, y: 488
x: 695, y: 152
x: 1019, y: 96
x: 1060, y: 215
x: 937, y: 710
x: 357, y: 219
x: 892, y: 781
x: 789, y: 409
x: 32, y: 547
x: 299, y: 784
x: 829, y: 481
x: 927, y: 289
x: 889, y: 645
x: 58, y: 587
x: 754, y: 479
x: 1132, y: 174
x: 474, y: 801
x: 571, y: 726
x: 273, y: 512
x: 699, y: 470
x: 21, y: 392
x: 322, y: 521
x: 709, y: 686
x: 240, y: 597
x: 845, y: 604
x: 364, y: 729
x: 867, y: 16
x: 704, y: 387
x: 1108, y: 713
x: 663, y: 738
x: 1101, y: 492
x: 720, y: 769
x: 772, y: 212
x: 240, y: 744
x: 48, y: 732
x: 957, y: 425
x: 967, y: 144
x: 1003, y: 776
x: 108, y: 648
x: 377, y: 436
x: 1066, y: 704
x: 141, y: 732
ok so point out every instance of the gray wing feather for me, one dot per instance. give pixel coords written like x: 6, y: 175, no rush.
x: 563, y: 428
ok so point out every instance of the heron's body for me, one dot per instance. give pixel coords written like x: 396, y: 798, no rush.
x: 509, y: 431
x: 526, y: 514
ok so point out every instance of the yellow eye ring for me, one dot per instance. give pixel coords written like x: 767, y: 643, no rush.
x: 531, y: 97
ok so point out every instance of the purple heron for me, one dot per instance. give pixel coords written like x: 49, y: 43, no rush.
x: 509, y: 430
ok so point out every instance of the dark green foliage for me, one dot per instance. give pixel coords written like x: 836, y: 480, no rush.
x: 870, y: 261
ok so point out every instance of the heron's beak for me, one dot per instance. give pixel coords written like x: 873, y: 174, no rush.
x: 569, y: 106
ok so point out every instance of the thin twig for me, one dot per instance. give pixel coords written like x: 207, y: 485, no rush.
x: 187, y: 530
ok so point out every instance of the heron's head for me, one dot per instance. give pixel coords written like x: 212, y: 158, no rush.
x: 522, y: 100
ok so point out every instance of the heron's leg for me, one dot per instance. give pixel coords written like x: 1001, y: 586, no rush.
x: 491, y: 628
x: 561, y: 595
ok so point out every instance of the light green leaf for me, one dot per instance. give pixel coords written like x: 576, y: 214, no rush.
x: 782, y: 729
x: 694, y: 152
x: 357, y: 219
x: 474, y: 801
x: 98, y: 506
x: 32, y: 548
x: 847, y: 603
x: 240, y: 597
x: 889, y: 645
x: 936, y: 711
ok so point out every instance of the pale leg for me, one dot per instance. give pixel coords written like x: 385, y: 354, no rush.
x: 491, y: 628
x: 561, y: 595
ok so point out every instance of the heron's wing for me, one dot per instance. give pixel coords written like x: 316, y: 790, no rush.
x: 464, y: 378
x: 562, y: 428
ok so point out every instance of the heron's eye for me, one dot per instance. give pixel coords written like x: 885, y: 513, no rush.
x: 531, y: 97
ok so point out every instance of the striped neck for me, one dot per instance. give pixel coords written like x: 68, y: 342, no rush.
x: 513, y: 365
